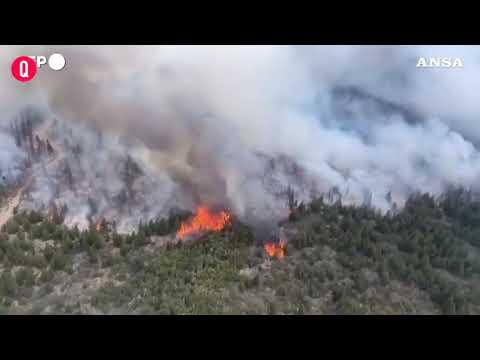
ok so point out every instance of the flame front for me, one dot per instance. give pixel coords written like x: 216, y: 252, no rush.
x: 203, y: 221
x: 275, y: 250
x: 102, y: 225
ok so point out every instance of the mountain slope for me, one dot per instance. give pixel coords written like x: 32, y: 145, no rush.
x: 339, y: 260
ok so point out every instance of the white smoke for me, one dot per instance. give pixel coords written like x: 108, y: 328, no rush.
x: 197, y: 117
x: 10, y: 159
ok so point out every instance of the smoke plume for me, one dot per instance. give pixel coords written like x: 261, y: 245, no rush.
x: 235, y: 126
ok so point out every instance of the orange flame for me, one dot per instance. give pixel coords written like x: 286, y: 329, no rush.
x: 275, y: 250
x: 204, y: 220
x: 101, y: 225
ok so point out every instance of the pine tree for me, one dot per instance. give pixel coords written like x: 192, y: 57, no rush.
x: 291, y: 201
x: 50, y: 150
x: 16, y: 133
x: 69, y: 176
x: 449, y: 307
x: 8, y: 285
x: 40, y: 146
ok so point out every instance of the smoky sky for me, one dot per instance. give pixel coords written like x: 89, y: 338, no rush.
x: 201, y: 115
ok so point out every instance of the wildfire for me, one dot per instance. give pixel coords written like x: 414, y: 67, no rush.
x: 101, y: 225
x: 204, y: 220
x: 275, y: 250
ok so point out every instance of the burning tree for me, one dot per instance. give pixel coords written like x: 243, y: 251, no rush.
x: 275, y: 248
x: 102, y: 225
x: 203, y: 221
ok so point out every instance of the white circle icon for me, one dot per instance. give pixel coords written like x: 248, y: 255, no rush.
x: 56, y: 62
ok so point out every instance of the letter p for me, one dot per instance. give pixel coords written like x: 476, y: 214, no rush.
x: 41, y: 60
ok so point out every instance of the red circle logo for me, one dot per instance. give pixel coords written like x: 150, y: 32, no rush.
x: 24, y: 68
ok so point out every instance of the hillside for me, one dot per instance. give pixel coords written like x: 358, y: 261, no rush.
x: 423, y: 259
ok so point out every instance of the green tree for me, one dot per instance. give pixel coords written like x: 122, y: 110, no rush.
x: 8, y: 285
x: 449, y: 306
x: 25, y: 277
x: 49, y: 252
x: 47, y: 276
x: 59, y: 260
x: 271, y: 308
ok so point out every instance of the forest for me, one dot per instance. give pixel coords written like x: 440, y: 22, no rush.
x: 421, y: 259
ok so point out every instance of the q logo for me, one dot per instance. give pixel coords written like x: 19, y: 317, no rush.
x: 24, y: 68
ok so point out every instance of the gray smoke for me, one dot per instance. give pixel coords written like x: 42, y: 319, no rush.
x: 10, y: 159
x: 235, y: 126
